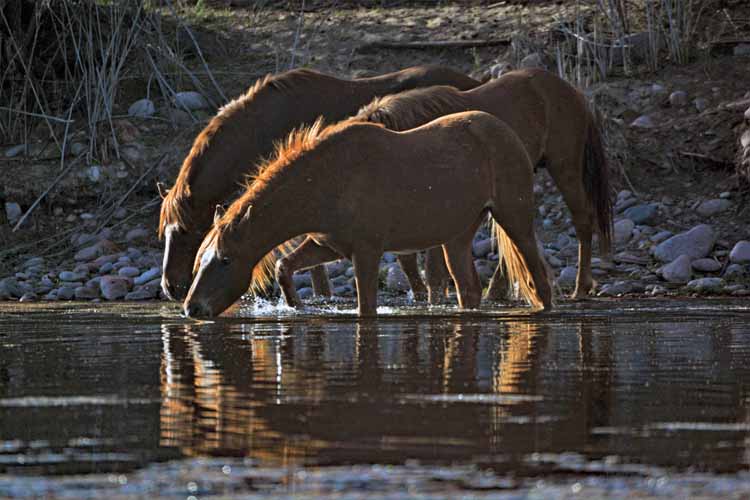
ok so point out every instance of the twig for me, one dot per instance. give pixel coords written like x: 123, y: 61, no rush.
x: 438, y: 44
x: 49, y: 188
x: 37, y: 115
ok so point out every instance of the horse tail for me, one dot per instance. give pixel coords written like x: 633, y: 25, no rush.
x: 515, y: 267
x: 596, y: 182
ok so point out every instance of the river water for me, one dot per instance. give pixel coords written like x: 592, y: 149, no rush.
x: 598, y: 399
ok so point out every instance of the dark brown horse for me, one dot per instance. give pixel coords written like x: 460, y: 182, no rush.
x: 559, y: 131
x: 243, y: 133
x: 361, y: 189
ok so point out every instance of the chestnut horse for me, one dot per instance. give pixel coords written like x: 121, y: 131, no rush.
x: 243, y: 133
x: 559, y: 131
x: 361, y: 189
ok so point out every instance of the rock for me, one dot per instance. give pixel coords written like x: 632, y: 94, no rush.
x: 740, y: 254
x: 305, y: 293
x: 14, y: 151
x: 661, y: 236
x: 29, y: 297
x: 706, y: 265
x: 741, y: 49
x: 700, y: 104
x: 147, y: 276
x: 145, y: 293
x: 482, y: 247
x: 734, y: 271
x: 623, y: 230
x: 678, y: 99
x: 12, y: 211
x: 134, y: 153
x: 533, y: 60
x: 78, y: 148
x: 389, y: 258
x: 179, y: 117
x: 706, y: 285
x: 129, y: 272
x: 106, y: 268
x: 86, y: 293
x: 52, y: 295
x: 94, y: 173
x: 615, y: 289
x: 104, y: 259
x: 638, y: 47
x: 677, y: 271
x: 190, y: 100
x: 302, y: 280
x: 395, y: 279
x: 337, y: 268
x: 114, y: 287
x: 65, y: 293
x: 70, y: 276
x: 137, y: 233
x: 695, y: 243
x: 344, y: 291
x: 339, y: 280
x: 34, y: 262
x: 713, y: 207
x: 484, y: 270
x: 96, y: 250
x: 567, y: 277
x: 643, y: 121
x: 497, y: 70
x: 725, y: 195
x: 642, y: 214
x: 9, y: 288
x: 142, y: 108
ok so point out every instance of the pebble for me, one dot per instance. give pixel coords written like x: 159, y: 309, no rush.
x: 678, y: 98
x: 706, y: 265
x: 114, y: 287
x: 33, y: 262
x: 147, y: 276
x: 700, y: 104
x: 533, y: 60
x: 14, y: 151
x: 695, y: 243
x: 623, y: 230
x: 740, y: 254
x: 713, y: 207
x: 12, y: 211
x: 96, y: 250
x: 643, y: 121
x: 190, y: 100
x: 137, y: 233
x: 142, y: 108
x: 337, y: 268
x: 706, y: 284
x: 129, y: 272
x: 661, y: 236
x: 302, y: 280
x: 677, y: 271
x: 70, y: 276
x: 106, y: 268
x: 344, y: 291
x: 642, y: 214
x: 144, y: 293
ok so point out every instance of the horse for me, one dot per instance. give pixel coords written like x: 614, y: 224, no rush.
x: 361, y: 189
x: 243, y: 133
x: 559, y: 131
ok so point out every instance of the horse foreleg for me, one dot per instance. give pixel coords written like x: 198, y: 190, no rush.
x: 320, y: 284
x: 583, y: 221
x: 366, y: 261
x: 308, y: 254
x: 461, y: 266
x: 437, y: 275
x: 411, y: 270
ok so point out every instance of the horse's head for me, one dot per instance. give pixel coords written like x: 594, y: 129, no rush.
x: 223, y: 267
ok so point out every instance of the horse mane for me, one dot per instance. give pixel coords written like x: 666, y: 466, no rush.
x: 174, y: 209
x: 413, y: 108
x: 268, y: 178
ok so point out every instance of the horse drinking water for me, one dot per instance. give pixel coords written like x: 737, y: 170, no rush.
x: 244, y: 132
x: 362, y: 189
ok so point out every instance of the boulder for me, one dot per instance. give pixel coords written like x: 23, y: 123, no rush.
x: 695, y: 243
x: 709, y: 208
x: 706, y: 265
x: 740, y: 254
x: 677, y: 271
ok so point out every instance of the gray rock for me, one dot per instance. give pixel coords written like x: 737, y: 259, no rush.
x: 96, y: 250
x: 14, y: 151
x: 114, y: 287
x: 741, y: 49
x: 70, y: 276
x: 12, y: 211
x: 678, y: 99
x: 104, y: 259
x: 305, y: 293
x: 142, y: 108
x: 707, y: 285
x: 339, y: 280
x: 533, y: 60
x: 615, y: 289
x: 713, y: 207
x: 94, y: 173
x: 93, y: 282
x: 497, y: 70
x: 623, y: 230
x: 147, y: 276
x: 554, y: 261
x: 677, y: 271
x: 695, y: 243
x: 77, y: 148
x: 567, y: 277
x: 52, y: 295
x: 29, y: 297
x: 65, y: 293
x: 700, y: 104
x: 190, y: 100
x: 734, y: 271
x: 106, y: 268
x: 86, y: 293
x: 344, y: 291
x: 661, y: 236
x: 482, y: 247
x: 643, y: 121
x: 388, y: 257
x: 484, y: 270
x: 34, y: 262
x: 145, y: 293
x: 706, y: 265
x: 302, y: 280
x: 642, y: 214
x: 9, y: 288
x: 337, y: 268
x: 129, y: 272
x: 395, y: 280
x: 740, y: 254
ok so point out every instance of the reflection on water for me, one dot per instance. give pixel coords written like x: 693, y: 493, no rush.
x: 101, y: 390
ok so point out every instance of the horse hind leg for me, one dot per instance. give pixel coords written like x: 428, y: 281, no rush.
x: 437, y: 275
x: 307, y: 254
x: 411, y: 270
x: 461, y: 266
x: 366, y: 261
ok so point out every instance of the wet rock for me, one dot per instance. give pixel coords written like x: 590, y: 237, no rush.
x: 615, y: 289
x: 740, y: 254
x: 142, y: 108
x: 305, y: 293
x: 707, y: 285
x: 677, y: 271
x: 482, y: 247
x: 713, y: 207
x: 678, y: 99
x: 567, y: 277
x: 86, y: 293
x: 695, y: 243
x: 65, y: 293
x: 129, y: 272
x: 395, y: 279
x: 114, y: 287
x: 190, y: 100
x: 9, y: 288
x: 623, y: 230
x: 643, y: 121
x: 642, y: 214
x: 706, y: 265
x: 734, y: 271
x: 29, y: 297
x: 147, y: 276
x: 12, y: 212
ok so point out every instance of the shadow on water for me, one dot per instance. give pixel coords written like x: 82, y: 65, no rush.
x: 584, y: 390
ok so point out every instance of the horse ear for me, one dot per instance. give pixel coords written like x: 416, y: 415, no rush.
x: 247, y: 213
x: 219, y: 213
x: 162, y: 189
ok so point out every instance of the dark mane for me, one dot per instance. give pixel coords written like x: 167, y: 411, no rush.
x: 413, y: 108
x: 174, y: 208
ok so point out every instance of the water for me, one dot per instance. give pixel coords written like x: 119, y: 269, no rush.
x: 646, y: 398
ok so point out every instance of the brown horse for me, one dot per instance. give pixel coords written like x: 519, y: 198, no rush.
x: 243, y: 133
x: 559, y: 131
x: 361, y: 189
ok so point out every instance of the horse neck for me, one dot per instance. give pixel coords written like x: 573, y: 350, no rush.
x: 375, y: 86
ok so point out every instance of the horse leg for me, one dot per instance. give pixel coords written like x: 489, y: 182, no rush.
x: 411, y: 270
x: 437, y: 275
x: 499, y: 287
x: 307, y: 254
x: 461, y: 266
x: 320, y: 284
x: 366, y: 261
